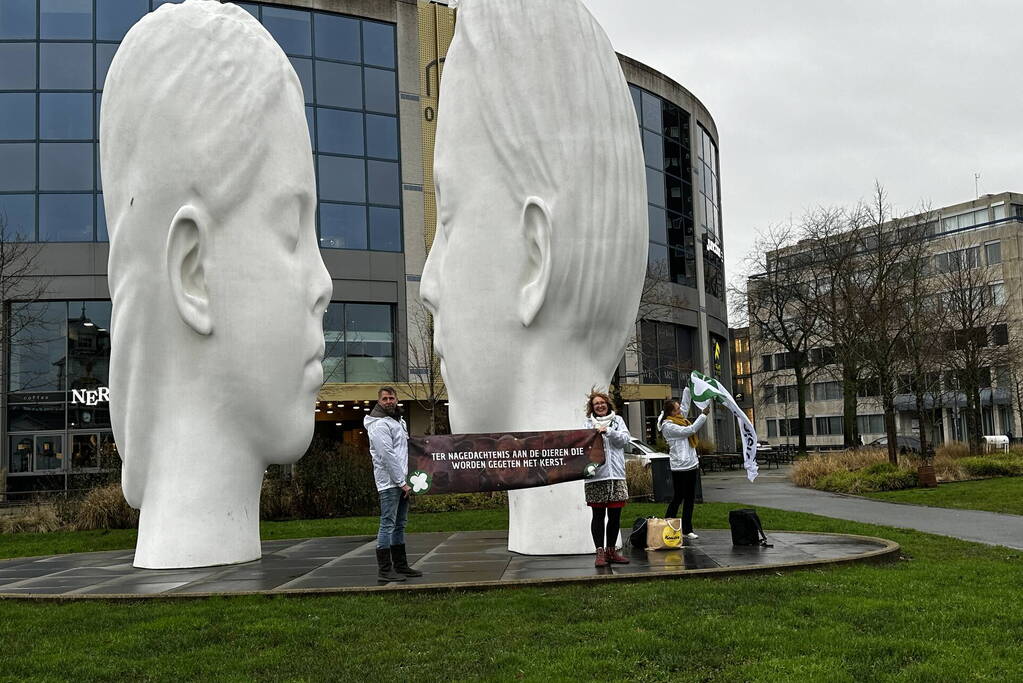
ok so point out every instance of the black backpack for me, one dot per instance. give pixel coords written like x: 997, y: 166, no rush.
x: 746, y: 528
x: 637, y: 539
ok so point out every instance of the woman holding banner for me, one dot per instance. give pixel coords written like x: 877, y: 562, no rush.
x: 606, y: 492
x: 681, y: 437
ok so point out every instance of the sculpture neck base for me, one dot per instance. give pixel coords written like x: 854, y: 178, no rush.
x: 200, y: 523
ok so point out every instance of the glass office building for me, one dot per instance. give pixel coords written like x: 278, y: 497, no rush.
x: 368, y: 70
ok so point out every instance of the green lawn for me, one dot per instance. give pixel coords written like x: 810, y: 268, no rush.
x: 1003, y: 494
x: 949, y: 610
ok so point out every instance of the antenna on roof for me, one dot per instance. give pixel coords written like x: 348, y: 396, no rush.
x: 976, y: 184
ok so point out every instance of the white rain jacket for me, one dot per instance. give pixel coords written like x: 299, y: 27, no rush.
x: 616, y: 438
x: 682, y: 455
x: 388, y: 445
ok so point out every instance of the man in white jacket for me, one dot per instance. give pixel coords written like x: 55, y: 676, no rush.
x: 388, y: 445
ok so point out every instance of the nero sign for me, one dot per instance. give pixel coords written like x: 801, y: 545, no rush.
x: 468, y: 463
x: 90, y: 397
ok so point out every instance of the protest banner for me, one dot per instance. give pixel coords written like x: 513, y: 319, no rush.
x: 470, y: 463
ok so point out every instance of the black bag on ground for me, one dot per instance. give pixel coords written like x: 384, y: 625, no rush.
x: 746, y: 528
x: 637, y: 539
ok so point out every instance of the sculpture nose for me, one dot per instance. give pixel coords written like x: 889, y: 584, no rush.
x: 429, y: 285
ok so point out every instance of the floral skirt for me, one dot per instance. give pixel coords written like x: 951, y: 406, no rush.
x: 609, y: 493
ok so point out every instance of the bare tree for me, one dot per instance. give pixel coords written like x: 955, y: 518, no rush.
x: 973, y: 310
x: 660, y: 301
x: 893, y: 261
x: 22, y: 282
x: 922, y: 349
x: 424, y: 383
x: 782, y: 307
x: 840, y: 304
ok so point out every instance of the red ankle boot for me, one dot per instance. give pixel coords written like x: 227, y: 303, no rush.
x: 601, y: 560
x: 615, y: 557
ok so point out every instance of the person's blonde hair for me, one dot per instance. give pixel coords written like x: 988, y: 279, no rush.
x: 594, y: 394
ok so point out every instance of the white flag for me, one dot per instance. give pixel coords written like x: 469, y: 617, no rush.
x: 706, y: 389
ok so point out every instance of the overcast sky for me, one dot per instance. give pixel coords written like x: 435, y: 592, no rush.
x: 815, y: 99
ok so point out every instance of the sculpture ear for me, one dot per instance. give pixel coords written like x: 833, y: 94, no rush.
x: 536, y: 228
x: 186, y: 267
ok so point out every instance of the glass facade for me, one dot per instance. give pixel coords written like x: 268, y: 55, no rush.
x: 54, y: 56
x: 57, y: 419
x: 359, y: 343
x: 59, y: 360
x: 664, y: 128
x: 710, y: 214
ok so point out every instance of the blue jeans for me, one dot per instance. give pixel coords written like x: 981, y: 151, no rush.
x: 393, y: 517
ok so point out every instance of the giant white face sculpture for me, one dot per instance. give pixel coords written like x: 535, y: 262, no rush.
x: 536, y: 269
x: 216, y: 279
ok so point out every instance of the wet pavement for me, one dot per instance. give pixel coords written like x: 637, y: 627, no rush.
x: 448, y: 560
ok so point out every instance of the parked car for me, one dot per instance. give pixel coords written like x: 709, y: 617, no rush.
x: 641, y: 452
x: 763, y: 447
x: 905, y: 444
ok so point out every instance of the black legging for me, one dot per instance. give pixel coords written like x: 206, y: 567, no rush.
x: 684, y: 484
x: 614, y: 525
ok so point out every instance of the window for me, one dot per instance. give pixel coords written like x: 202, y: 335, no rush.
x: 996, y: 293
x: 115, y: 17
x: 65, y: 18
x: 359, y: 343
x: 964, y: 220
x: 828, y: 426
x: 766, y: 362
x: 993, y: 253
x: 337, y: 37
x: 290, y: 28
x: 65, y: 217
x: 19, y: 119
x: 669, y: 189
x: 772, y: 429
x: 870, y: 424
x: 827, y: 391
x: 38, y: 347
x: 666, y: 351
x: 54, y: 58
x: 1000, y: 334
x: 343, y: 226
x: 340, y: 132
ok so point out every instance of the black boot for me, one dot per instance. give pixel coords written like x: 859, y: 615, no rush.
x: 386, y: 570
x: 401, y: 561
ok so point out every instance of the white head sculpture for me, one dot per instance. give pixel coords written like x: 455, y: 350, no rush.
x: 536, y: 269
x: 215, y: 275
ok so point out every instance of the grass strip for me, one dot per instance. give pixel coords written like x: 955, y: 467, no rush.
x: 947, y: 611
x: 1003, y: 494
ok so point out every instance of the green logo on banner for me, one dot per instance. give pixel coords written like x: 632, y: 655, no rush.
x: 590, y: 470
x: 419, y: 481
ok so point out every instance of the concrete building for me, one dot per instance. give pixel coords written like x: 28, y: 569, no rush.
x: 986, y: 233
x: 370, y: 70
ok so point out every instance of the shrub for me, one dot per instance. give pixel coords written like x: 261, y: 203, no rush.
x: 946, y: 468
x: 334, y: 480
x: 953, y: 450
x: 858, y: 471
x: 639, y: 480
x: 876, y: 477
x: 806, y: 471
x: 39, y: 517
x: 104, y: 507
x: 491, y: 500
x: 1002, y: 465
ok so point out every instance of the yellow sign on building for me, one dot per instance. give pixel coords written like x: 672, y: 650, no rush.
x: 436, y: 29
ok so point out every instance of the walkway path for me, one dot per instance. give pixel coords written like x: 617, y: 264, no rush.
x: 773, y: 489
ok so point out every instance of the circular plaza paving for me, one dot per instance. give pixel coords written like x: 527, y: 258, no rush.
x: 462, y: 560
